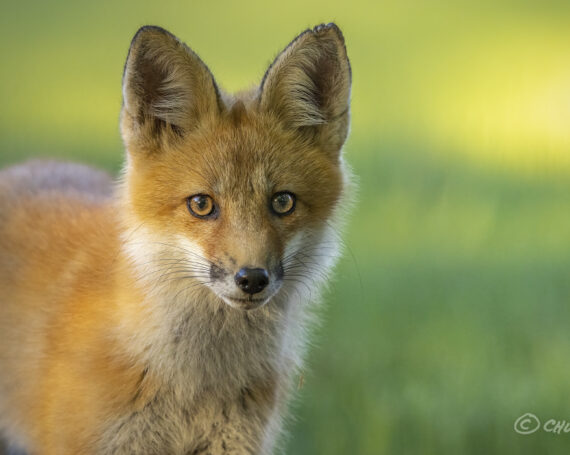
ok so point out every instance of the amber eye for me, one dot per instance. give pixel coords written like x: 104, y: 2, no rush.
x: 201, y: 205
x: 283, y: 203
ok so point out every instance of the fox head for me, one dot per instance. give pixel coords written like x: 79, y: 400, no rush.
x: 234, y: 194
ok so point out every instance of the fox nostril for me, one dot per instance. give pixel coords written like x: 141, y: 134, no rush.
x: 252, y: 281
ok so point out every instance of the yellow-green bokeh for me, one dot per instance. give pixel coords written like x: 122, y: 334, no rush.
x: 489, y: 79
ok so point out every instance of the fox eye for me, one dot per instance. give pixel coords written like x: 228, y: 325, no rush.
x: 201, y: 205
x: 283, y: 203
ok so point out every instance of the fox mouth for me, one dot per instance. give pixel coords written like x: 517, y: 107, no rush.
x: 248, y: 303
x: 244, y: 300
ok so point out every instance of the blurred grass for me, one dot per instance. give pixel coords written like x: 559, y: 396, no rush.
x: 461, y: 324
x: 449, y: 317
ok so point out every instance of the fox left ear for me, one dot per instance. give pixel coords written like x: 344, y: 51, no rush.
x: 167, y: 89
x: 308, y: 86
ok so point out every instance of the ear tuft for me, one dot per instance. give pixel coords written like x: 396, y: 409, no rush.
x: 308, y: 85
x: 166, y: 87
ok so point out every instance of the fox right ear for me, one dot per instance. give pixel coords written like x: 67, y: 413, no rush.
x: 308, y: 87
x: 167, y: 89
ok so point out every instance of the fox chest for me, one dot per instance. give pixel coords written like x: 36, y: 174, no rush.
x: 212, y: 424
x: 218, y: 383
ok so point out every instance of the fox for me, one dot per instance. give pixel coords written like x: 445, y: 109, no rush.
x: 168, y: 311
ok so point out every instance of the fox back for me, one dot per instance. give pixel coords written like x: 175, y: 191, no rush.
x: 167, y: 312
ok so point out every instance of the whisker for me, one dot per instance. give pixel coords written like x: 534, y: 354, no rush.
x: 191, y: 286
x: 299, y: 281
x: 167, y: 274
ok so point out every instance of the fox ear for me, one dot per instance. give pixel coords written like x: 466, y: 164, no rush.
x: 308, y: 86
x: 167, y: 89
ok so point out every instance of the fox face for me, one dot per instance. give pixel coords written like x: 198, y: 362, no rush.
x: 234, y: 193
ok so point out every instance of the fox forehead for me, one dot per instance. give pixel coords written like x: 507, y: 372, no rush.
x: 245, y: 162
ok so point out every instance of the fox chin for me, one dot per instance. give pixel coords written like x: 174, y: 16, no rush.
x: 167, y: 312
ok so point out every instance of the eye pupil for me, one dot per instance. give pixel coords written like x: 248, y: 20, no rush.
x: 282, y: 200
x: 202, y: 202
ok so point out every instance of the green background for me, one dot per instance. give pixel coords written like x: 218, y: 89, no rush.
x: 448, y: 317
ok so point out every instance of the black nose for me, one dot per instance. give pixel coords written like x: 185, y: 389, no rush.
x: 252, y: 281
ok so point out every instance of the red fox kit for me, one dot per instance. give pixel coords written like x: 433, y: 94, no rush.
x: 166, y: 314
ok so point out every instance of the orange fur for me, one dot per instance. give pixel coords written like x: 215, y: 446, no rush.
x: 105, y: 345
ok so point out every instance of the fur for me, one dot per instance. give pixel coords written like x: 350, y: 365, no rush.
x: 122, y: 330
